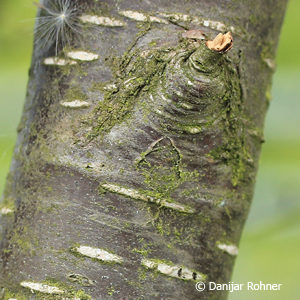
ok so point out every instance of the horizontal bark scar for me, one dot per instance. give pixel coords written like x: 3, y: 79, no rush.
x: 172, y: 270
x: 228, y: 248
x: 82, y: 55
x: 6, y: 211
x: 56, y: 61
x: 141, y: 17
x: 99, y: 254
x: 102, y: 21
x: 40, y: 287
x: 213, y: 24
x: 75, y: 104
x: 138, y: 195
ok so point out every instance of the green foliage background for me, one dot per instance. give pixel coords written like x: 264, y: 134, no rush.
x: 270, y: 246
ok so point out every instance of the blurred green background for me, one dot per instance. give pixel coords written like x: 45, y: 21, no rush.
x: 270, y: 246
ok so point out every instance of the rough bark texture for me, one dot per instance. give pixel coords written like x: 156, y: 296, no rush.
x: 156, y: 167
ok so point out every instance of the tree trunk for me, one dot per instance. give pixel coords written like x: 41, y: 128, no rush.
x: 136, y: 157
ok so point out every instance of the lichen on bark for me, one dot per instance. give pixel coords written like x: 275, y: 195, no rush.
x: 157, y: 167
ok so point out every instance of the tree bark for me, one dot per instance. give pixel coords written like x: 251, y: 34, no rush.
x: 135, y: 161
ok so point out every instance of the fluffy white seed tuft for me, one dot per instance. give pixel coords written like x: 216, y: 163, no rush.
x: 57, y: 22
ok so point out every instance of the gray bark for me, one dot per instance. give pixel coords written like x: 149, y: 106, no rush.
x: 156, y: 167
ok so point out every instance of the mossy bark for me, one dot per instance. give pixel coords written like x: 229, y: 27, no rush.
x: 158, y: 170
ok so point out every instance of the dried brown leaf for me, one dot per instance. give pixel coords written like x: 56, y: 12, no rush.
x: 221, y: 43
